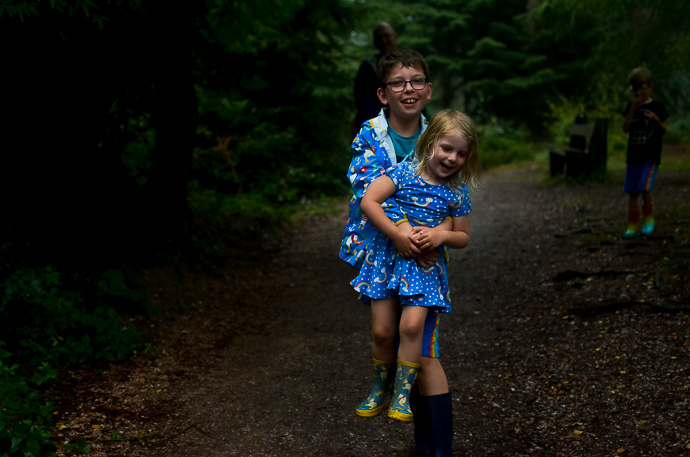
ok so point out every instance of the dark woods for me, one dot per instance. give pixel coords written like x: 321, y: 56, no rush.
x: 74, y: 92
x: 108, y: 124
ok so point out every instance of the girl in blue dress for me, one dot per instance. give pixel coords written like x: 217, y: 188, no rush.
x: 404, y: 295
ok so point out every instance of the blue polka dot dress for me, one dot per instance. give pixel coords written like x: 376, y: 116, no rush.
x: 385, y: 273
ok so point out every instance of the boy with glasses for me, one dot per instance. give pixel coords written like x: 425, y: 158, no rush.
x: 404, y: 90
x: 645, y: 124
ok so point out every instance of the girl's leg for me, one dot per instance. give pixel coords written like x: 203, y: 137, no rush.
x: 384, y: 318
x: 409, y: 354
x: 384, y: 325
x: 411, y: 333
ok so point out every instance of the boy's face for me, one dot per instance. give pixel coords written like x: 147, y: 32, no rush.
x: 409, y: 102
x: 641, y: 90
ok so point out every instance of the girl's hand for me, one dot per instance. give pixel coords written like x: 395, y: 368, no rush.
x: 428, y: 238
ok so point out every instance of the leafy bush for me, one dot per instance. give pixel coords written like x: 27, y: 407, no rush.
x: 47, y: 325
x: 496, y: 151
x: 678, y: 131
x: 500, y: 146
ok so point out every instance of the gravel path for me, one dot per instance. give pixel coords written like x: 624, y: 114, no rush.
x: 564, y: 340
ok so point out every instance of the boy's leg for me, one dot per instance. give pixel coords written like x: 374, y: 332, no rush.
x: 633, y: 215
x: 441, y: 425
x: 432, y: 379
x: 639, y: 179
x: 648, y: 212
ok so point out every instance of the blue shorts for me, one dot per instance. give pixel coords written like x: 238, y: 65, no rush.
x: 430, y: 338
x: 640, y: 178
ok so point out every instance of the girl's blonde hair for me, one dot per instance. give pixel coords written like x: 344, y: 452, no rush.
x: 443, y: 123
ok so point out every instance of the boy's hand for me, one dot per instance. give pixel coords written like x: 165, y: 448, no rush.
x: 653, y: 117
x: 428, y: 259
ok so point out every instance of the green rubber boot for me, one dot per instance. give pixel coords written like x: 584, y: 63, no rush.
x: 404, y: 379
x: 380, y: 395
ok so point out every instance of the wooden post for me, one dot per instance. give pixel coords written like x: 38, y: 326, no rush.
x: 597, y: 148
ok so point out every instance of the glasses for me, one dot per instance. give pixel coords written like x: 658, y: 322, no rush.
x: 399, y: 86
x: 637, y: 85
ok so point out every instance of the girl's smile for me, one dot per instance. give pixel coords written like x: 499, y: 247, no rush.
x: 450, y: 154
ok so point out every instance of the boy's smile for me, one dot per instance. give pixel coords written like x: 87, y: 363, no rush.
x: 409, y: 103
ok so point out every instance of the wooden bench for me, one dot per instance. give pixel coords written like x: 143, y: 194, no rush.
x: 585, y: 153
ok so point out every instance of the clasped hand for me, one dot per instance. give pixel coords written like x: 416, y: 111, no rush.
x: 422, y: 244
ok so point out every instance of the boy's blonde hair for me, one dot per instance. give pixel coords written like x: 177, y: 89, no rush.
x: 640, y: 75
x: 443, y: 123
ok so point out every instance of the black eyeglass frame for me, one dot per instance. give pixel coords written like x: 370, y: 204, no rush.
x: 404, y: 84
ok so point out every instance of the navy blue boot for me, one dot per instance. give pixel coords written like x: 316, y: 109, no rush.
x: 420, y: 414
x: 440, y: 424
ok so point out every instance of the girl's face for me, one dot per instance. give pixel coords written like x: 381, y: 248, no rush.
x: 450, y: 154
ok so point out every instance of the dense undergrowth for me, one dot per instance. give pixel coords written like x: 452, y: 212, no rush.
x: 53, y: 320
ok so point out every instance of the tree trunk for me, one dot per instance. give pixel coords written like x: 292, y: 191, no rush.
x: 175, y: 118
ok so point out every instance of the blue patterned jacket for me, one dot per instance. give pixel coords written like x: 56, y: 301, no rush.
x: 372, y: 155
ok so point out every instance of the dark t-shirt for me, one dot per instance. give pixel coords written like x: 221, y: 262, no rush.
x: 645, y: 135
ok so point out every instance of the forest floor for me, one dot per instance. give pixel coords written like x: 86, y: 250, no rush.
x: 565, y: 340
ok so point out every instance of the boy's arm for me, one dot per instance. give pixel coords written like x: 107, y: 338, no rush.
x: 629, y: 115
x: 378, y: 192
x: 653, y: 117
x: 365, y: 167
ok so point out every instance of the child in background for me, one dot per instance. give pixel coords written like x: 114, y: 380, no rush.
x: 645, y: 123
x: 428, y: 191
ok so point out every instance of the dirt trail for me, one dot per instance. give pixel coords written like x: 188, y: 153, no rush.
x: 564, y: 340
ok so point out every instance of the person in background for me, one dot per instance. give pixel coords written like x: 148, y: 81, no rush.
x: 645, y: 124
x: 366, y: 83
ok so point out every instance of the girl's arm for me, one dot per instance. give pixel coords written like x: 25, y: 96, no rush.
x: 378, y: 192
x: 457, y: 238
x: 429, y: 255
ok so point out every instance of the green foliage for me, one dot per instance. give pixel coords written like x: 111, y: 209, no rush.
x: 495, y: 151
x: 88, y: 8
x: 56, y: 326
x: 277, y: 134
x: 24, y: 415
x: 137, y: 154
x: 622, y: 35
x: 46, y: 325
x: 678, y: 131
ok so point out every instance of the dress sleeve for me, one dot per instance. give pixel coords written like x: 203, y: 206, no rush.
x: 463, y: 205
